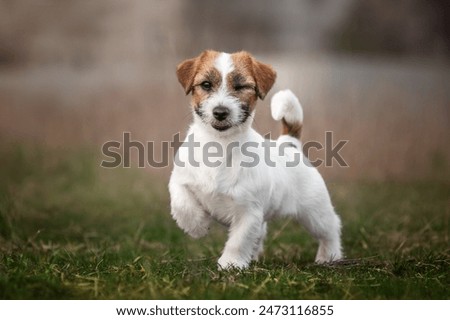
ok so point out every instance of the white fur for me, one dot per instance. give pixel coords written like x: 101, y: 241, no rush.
x: 244, y: 198
x: 224, y: 64
x: 284, y: 104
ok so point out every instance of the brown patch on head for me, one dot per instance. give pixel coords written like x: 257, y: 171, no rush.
x: 241, y: 82
x: 193, y: 72
x: 260, y: 75
x: 188, y: 70
x: 249, y: 79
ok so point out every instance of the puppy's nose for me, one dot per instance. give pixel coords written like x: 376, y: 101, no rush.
x: 221, y: 113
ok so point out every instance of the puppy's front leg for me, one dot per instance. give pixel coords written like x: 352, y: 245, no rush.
x: 245, y: 231
x: 187, y: 211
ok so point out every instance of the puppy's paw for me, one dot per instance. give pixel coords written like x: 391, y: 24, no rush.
x: 195, y: 225
x: 329, y: 251
x: 198, y: 231
x: 327, y: 257
x: 229, y: 262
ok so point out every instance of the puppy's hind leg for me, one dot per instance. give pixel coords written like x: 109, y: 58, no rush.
x: 324, y: 224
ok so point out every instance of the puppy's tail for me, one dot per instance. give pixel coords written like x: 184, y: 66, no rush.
x: 286, y: 107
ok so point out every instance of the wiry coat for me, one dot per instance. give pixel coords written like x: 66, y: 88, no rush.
x: 248, y: 183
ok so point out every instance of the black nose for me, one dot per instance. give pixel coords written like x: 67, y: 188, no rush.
x: 221, y: 113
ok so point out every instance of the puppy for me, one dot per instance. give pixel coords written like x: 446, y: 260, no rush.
x: 252, y: 179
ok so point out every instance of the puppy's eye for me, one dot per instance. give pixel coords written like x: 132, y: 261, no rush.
x: 240, y: 87
x: 206, y: 85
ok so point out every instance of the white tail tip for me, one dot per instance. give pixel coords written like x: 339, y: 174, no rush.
x: 285, y: 105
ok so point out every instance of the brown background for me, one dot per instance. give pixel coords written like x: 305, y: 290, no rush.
x: 376, y: 73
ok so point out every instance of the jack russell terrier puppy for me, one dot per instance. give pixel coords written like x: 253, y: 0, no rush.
x: 252, y: 179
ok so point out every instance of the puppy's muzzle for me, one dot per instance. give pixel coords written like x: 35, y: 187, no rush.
x: 220, y: 113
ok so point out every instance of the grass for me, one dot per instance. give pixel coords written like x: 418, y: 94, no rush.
x: 70, y: 230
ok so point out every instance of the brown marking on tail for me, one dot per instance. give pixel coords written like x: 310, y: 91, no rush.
x: 291, y: 129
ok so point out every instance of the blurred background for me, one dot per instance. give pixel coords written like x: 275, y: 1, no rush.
x: 75, y: 74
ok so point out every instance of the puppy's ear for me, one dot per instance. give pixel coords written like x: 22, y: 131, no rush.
x: 265, y: 78
x: 186, y: 72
